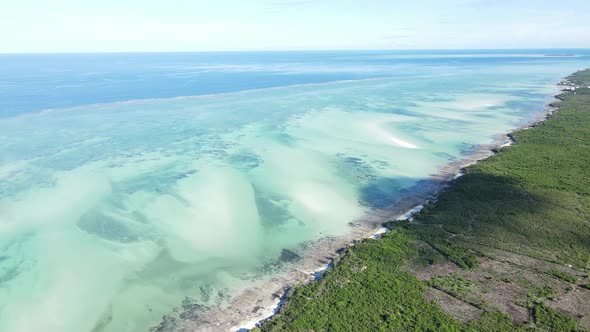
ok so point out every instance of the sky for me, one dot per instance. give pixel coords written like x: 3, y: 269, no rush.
x: 222, y: 25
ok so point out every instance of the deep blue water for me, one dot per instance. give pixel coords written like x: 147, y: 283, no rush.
x: 33, y: 82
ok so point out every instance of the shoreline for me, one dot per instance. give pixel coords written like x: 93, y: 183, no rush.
x: 488, y: 150
x: 443, y: 179
x: 257, y: 303
x: 502, y: 249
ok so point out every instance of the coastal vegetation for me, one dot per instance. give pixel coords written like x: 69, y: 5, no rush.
x: 505, y: 248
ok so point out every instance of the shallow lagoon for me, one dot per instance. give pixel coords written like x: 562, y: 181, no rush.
x: 111, y: 214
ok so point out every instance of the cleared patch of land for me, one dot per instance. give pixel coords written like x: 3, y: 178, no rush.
x: 506, y: 248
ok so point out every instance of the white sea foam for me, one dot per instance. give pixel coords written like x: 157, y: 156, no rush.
x: 403, y: 144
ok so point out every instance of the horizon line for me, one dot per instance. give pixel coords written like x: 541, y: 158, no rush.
x: 291, y: 50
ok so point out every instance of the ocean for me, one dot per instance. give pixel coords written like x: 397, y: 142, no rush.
x: 134, y: 184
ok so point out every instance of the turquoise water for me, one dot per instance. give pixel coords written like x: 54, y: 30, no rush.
x: 130, y: 182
